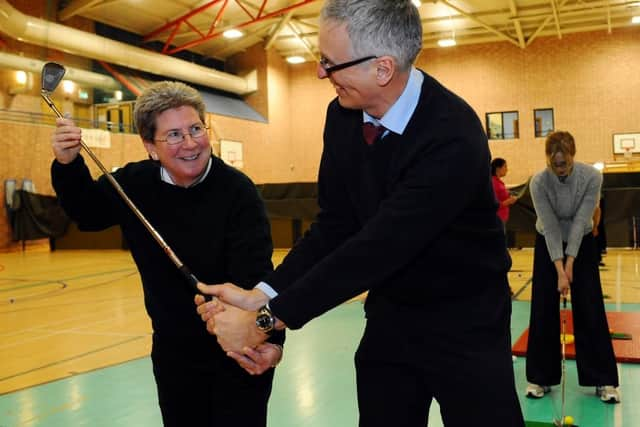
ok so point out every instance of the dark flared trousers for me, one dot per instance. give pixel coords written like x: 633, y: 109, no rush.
x: 595, y: 359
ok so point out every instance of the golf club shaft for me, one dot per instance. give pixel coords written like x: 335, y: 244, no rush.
x: 191, y: 279
x: 564, y: 358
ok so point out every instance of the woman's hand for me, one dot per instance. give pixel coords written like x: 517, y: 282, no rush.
x: 65, y: 141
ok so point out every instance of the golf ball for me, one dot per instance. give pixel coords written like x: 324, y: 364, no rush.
x: 568, y: 420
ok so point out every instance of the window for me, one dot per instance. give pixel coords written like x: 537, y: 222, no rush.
x: 543, y: 122
x: 503, y: 125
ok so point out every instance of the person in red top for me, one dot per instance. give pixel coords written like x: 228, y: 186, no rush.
x: 505, y: 199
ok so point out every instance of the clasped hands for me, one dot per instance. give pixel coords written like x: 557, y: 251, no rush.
x: 231, y: 317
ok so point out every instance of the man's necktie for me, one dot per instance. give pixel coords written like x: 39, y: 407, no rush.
x: 372, y: 132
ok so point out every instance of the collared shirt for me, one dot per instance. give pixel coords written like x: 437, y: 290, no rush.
x: 394, y: 120
x: 164, y: 175
x: 398, y: 116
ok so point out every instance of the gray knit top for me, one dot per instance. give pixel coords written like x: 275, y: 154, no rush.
x: 565, y: 209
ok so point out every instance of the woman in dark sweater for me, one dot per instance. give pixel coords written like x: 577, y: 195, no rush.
x: 212, y: 216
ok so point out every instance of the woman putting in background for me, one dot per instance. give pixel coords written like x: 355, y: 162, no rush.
x: 565, y: 260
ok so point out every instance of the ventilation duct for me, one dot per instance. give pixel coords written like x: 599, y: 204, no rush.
x: 76, y: 42
x: 90, y: 78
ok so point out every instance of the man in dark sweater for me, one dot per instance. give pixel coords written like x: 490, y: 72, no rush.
x: 410, y: 217
x: 213, y: 218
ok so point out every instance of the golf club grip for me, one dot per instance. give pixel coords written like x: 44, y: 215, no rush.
x: 193, y: 281
x: 188, y: 275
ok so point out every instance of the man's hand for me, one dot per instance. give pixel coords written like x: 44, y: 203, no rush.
x: 207, y: 310
x: 236, y: 329
x: 231, y: 294
x: 65, y: 141
x: 259, y: 359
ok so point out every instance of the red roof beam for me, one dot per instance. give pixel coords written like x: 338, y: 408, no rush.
x: 181, y: 19
x: 245, y: 9
x: 217, y: 19
x: 241, y: 25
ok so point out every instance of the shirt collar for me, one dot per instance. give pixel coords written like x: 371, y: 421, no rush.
x: 398, y: 116
x: 165, y: 177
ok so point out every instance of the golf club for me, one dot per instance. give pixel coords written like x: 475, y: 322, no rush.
x: 52, y: 74
x: 563, y: 384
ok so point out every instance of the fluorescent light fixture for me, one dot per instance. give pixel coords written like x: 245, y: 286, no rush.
x: 447, y: 42
x: 416, y: 3
x: 118, y: 95
x: 635, y: 20
x: 21, y: 77
x: 232, y: 34
x: 68, y: 86
x: 295, y: 59
x: 599, y: 165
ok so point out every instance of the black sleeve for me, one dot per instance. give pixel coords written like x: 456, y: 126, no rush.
x: 334, y: 223
x: 87, y: 202
x: 423, y: 203
x: 248, y: 242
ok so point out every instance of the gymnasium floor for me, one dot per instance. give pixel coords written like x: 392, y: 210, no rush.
x: 74, y: 345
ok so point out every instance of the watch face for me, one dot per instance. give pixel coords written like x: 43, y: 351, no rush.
x: 264, y: 321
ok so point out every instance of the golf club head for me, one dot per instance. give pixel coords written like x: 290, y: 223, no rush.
x: 52, y: 74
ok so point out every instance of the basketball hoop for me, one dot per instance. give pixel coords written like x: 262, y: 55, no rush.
x: 628, y: 154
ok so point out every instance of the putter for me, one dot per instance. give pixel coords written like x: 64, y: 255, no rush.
x: 563, y: 385
x: 52, y: 74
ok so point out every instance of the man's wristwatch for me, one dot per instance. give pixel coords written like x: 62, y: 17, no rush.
x: 265, y: 320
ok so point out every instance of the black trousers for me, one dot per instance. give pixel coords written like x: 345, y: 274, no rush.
x: 206, y: 388
x: 595, y: 359
x: 457, y: 351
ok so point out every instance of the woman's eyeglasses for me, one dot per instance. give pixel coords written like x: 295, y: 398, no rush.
x: 175, y: 136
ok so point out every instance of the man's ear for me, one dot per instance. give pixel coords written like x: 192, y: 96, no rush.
x: 385, y: 69
x: 151, y: 149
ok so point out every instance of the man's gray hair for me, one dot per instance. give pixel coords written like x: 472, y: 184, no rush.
x: 162, y: 96
x: 379, y: 27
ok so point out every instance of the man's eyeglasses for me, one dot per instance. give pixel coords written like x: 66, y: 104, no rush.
x: 175, y: 136
x: 328, y: 68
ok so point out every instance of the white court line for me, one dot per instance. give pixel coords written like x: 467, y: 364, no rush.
x: 618, y: 283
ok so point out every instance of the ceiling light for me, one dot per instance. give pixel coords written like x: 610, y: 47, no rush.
x: 416, y: 3
x: 68, y: 86
x: 295, y: 59
x: 447, y: 42
x: 233, y: 34
x: 635, y: 20
x: 21, y: 77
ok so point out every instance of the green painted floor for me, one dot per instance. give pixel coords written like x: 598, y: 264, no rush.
x: 314, y: 387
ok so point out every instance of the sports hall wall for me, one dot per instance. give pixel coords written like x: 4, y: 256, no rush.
x: 589, y: 79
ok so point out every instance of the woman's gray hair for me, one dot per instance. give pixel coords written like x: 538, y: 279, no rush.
x: 379, y: 27
x: 162, y: 96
